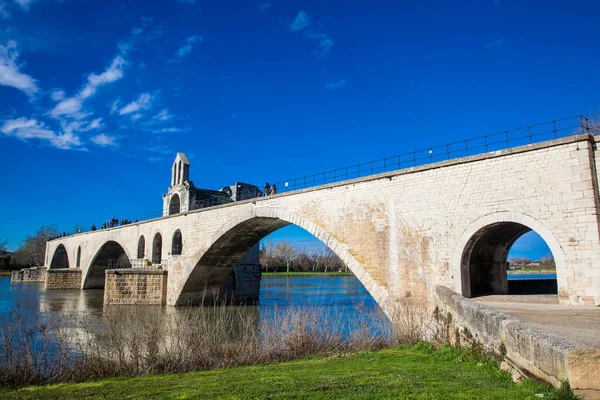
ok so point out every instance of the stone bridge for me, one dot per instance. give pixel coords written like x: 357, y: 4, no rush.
x: 401, y: 233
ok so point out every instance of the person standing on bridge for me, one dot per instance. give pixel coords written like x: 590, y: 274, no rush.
x: 267, y: 190
x: 273, y: 189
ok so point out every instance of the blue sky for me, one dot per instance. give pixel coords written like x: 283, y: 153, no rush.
x: 96, y: 97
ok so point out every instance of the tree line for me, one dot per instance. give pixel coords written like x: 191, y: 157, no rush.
x: 283, y: 257
x: 31, y: 251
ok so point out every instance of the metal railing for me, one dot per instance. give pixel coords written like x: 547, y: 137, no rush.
x: 492, y: 142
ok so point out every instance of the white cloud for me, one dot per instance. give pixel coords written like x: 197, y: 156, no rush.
x: 9, y: 70
x: 264, y: 6
x: 496, y: 43
x: 142, y: 103
x: 112, y: 73
x: 164, y: 115
x: 104, y: 140
x: 325, y: 46
x: 171, y: 130
x: 335, y: 85
x: 95, y: 124
x: 301, y: 21
x: 135, y: 117
x: 25, y: 4
x: 4, y: 13
x: 186, y: 48
x: 25, y: 129
x: 72, y: 106
x: 57, y: 95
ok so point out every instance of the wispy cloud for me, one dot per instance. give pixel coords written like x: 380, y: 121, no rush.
x: 143, y: 102
x: 9, y: 70
x: 335, y: 85
x: 496, y: 43
x: 325, y: 43
x: 164, y: 115
x: 300, y: 24
x: 72, y: 106
x: 186, y: 48
x: 301, y: 21
x: 4, y: 13
x: 25, y: 4
x: 263, y: 6
x: 104, y: 140
x: 171, y: 129
x: 31, y: 129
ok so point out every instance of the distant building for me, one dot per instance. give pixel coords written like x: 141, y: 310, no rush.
x: 184, y: 196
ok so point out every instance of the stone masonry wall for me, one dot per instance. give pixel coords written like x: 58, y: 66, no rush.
x: 63, y: 279
x: 29, y: 275
x: 135, y: 286
x: 404, y: 232
x: 529, y: 349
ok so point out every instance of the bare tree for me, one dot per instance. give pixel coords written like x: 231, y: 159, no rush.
x: 2, y: 246
x: 32, y: 250
x: 285, y: 254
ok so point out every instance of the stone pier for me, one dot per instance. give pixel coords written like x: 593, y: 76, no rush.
x: 63, y: 279
x: 145, y: 286
x: 29, y: 275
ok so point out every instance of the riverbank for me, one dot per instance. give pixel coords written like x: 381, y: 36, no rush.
x: 535, y: 270
x: 417, y: 372
x: 293, y: 274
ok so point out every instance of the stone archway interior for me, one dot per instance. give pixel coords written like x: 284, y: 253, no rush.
x: 111, y: 256
x: 60, y: 258
x: 157, y: 249
x: 174, y: 205
x: 78, y: 261
x: 141, y: 252
x: 484, y: 260
x: 214, y: 269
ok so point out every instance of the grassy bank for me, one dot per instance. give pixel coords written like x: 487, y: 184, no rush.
x: 4, y: 273
x: 417, y: 372
x: 292, y: 274
x: 535, y: 270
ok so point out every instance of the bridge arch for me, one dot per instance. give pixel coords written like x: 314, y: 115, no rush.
x: 141, y: 250
x: 110, y: 256
x: 233, y: 240
x: 481, y: 252
x: 157, y: 244
x: 174, y: 204
x: 60, y: 259
x: 78, y: 258
x: 177, y: 243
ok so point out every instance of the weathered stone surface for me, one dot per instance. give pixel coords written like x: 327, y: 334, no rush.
x: 29, y: 275
x: 401, y: 232
x: 63, y: 278
x: 135, y: 286
x: 541, y: 354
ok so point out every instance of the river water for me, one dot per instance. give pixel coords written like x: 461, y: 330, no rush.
x: 343, y: 296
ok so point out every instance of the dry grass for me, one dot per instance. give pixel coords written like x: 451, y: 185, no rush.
x: 134, y: 341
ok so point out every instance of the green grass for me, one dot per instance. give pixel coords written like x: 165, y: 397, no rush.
x: 534, y: 270
x: 417, y: 372
x: 290, y: 274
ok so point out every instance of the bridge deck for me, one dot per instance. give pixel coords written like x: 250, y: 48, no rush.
x: 579, y: 325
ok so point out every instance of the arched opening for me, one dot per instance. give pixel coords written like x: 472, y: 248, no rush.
x: 177, y: 243
x: 110, y: 256
x: 212, y: 280
x: 157, y: 249
x: 78, y: 260
x: 141, y: 250
x: 485, y: 266
x: 174, y: 205
x: 60, y: 258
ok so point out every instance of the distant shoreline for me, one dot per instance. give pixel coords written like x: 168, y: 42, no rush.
x: 293, y: 274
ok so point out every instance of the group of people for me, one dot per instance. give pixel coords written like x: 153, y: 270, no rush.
x: 60, y: 235
x: 269, y: 189
x: 113, y: 222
